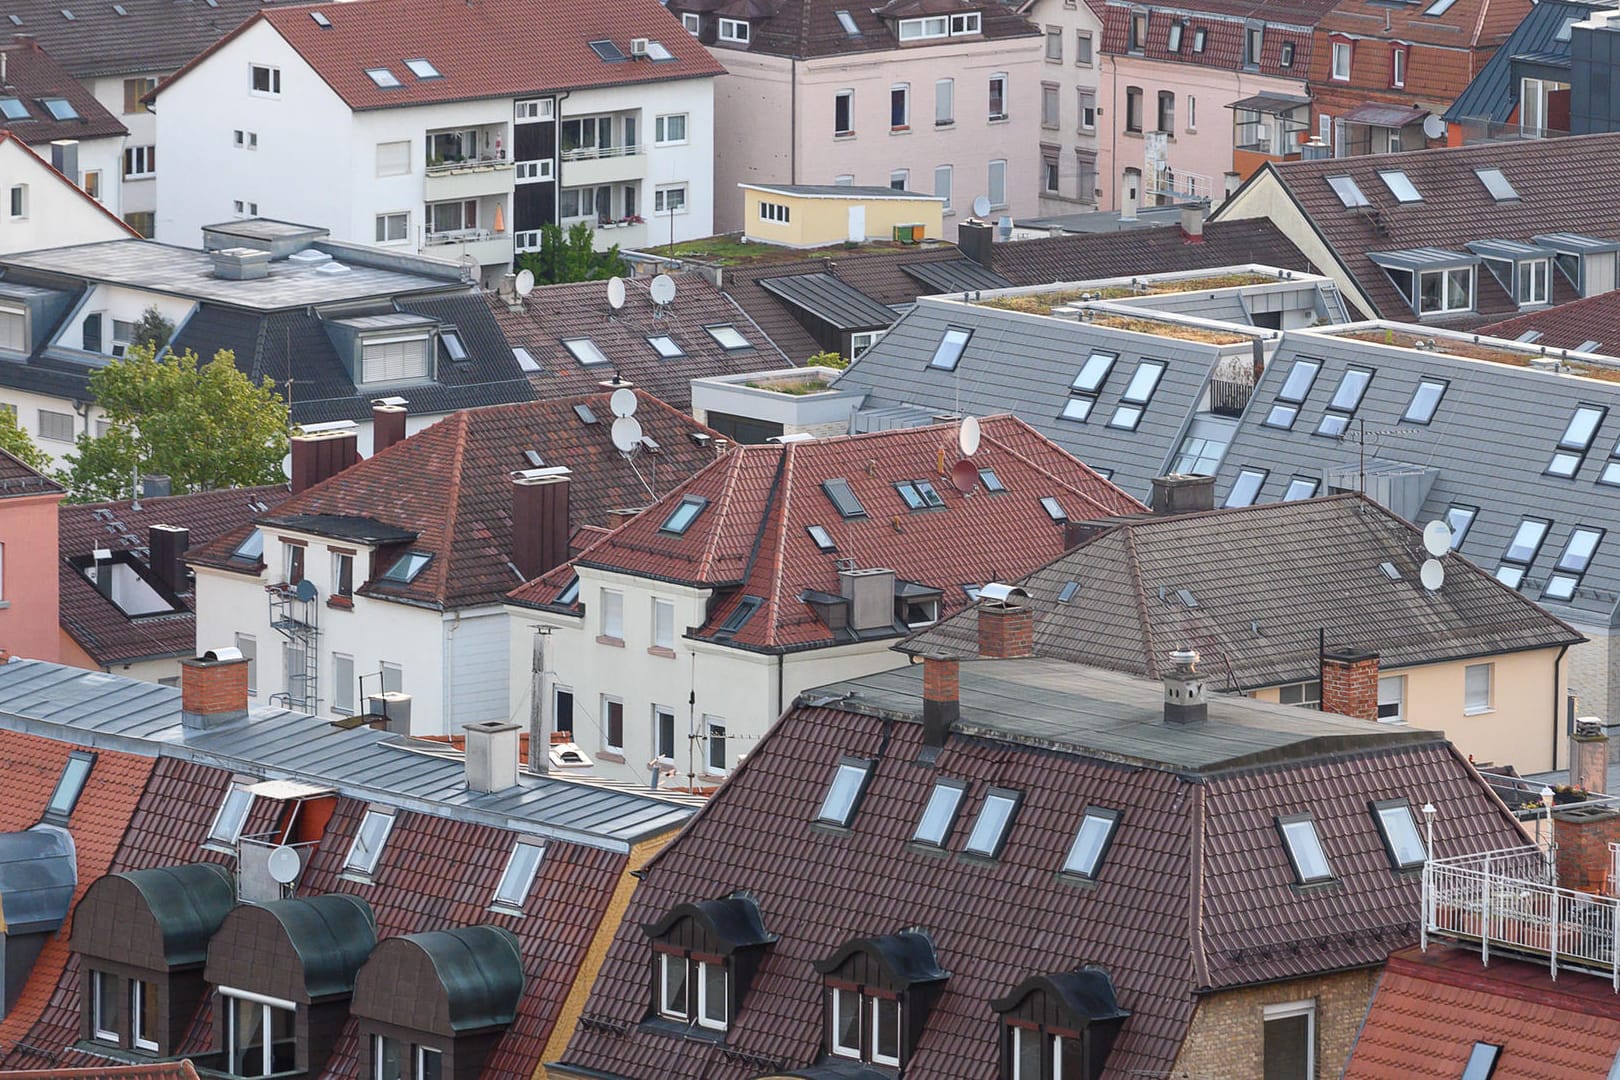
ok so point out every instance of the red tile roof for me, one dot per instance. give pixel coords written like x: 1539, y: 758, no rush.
x: 1432, y: 1007
x: 99, y: 626
x: 489, y: 49
x: 1568, y: 326
x: 451, y: 484
x: 751, y: 538
x: 1465, y: 24
x: 163, y: 1070
x: 31, y: 74
x: 811, y: 28
x: 1223, y: 24
x: 17, y: 479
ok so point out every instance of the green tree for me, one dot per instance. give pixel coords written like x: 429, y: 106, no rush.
x: 16, y: 442
x: 571, y: 257
x: 203, y: 425
x: 153, y: 329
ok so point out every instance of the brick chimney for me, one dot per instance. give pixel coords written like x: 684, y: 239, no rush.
x: 213, y: 689
x: 387, y: 423
x: 1184, y: 701
x: 1179, y: 493
x: 1583, y: 835
x: 320, y: 455
x: 167, y: 545
x: 540, y: 519
x: 1006, y: 628
x: 1589, y: 756
x: 941, y: 703
x: 492, y: 755
x: 1350, y: 682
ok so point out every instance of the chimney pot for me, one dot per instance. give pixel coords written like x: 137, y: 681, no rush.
x: 1181, y: 493
x: 213, y: 689
x: 1184, y: 701
x: 1192, y: 221
x: 321, y: 455
x: 540, y: 519
x: 1350, y: 682
x: 941, y: 698
x: 387, y: 424
x: 492, y: 755
x: 1006, y: 630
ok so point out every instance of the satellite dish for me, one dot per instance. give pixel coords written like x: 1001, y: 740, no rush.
x: 305, y: 591
x: 981, y: 206
x: 1434, y: 127
x: 967, y: 436
x: 662, y: 289
x: 626, y: 434
x: 525, y: 282
x: 1436, y: 538
x: 1432, y: 574
x: 615, y: 292
x: 283, y: 864
x: 623, y: 402
x: 286, y: 466
x: 964, y: 476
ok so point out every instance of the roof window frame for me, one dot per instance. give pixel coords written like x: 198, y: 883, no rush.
x: 718, y: 333
x: 227, y: 840
x: 654, y: 339
x: 384, y: 78
x: 821, y: 537
x: 951, y: 814
x: 1092, y: 869
x: 974, y: 846
x: 1391, y: 848
x: 850, y: 509
x: 948, y: 353
x: 1425, y: 382
x: 849, y: 770
x: 1259, y: 485
x: 1337, y: 417
x: 361, y: 865
x: 685, y: 513
x: 1349, y: 193
x: 514, y: 899
x: 576, y: 345
x: 1304, y: 876
x: 1134, y: 402
x: 1565, y: 576
x: 69, y: 787
x: 1297, y: 482
x: 1468, y: 514
x: 919, y: 495
x: 1571, y: 450
x: 990, y: 481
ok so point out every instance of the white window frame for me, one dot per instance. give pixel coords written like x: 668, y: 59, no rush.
x: 944, y: 102
x: 102, y: 1027
x: 998, y: 166
x: 1392, y: 691
x: 659, y: 713
x: 1054, y: 37
x: 849, y: 113
x: 249, y: 648
x: 899, y: 179
x: 924, y: 29
x: 17, y: 204
x: 364, y: 863
x: 778, y: 213
x: 662, y: 125
x: 607, y: 731
x: 1288, y: 1010
x: 941, y: 190
x: 383, y: 230
x: 839, y: 1049
x: 139, y: 1036
x: 904, y: 90
x: 666, y: 1008
x: 1087, y: 56
x: 140, y: 162
x: 388, y: 159
x: 734, y: 30
x: 272, y: 80
x: 267, y: 1025
x: 878, y: 1004
x: 661, y: 199
x: 535, y: 109
x: 1340, y: 59
x: 1397, y: 76
x: 703, y: 1018
x: 663, y: 637
x: 997, y: 77
x: 55, y: 416
x: 611, y: 624
x: 691, y: 22
x: 1470, y: 706
x: 513, y: 894
x: 710, y: 723
x: 343, y: 689
x: 227, y: 838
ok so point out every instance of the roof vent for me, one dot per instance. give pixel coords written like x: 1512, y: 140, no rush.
x: 241, y: 264
x: 332, y: 268
x: 308, y: 257
x: 1184, y: 690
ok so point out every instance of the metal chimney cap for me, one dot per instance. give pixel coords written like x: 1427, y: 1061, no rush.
x: 1185, y: 658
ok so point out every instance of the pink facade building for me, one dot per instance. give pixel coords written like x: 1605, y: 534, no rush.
x: 28, y: 590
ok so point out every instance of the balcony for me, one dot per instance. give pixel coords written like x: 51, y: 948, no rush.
x: 466, y: 180
x: 1229, y: 397
x: 486, y: 247
x: 587, y: 165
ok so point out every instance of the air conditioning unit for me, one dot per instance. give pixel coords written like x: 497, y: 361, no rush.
x: 638, y: 46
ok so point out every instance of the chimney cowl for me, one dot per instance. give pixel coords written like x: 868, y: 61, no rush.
x: 1184, y: 700
x: 492, y: 755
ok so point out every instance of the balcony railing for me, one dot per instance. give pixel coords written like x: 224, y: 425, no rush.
x: 457, y: 236
x: 1229, y: 397
x: 447, y: 168
x: 1509, y: 902
x: 1178, y: 183
x: 593, y: 153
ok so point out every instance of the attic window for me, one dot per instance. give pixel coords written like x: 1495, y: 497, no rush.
x: 1347, y: 191
x: 847, y: 21
x: 657, y: 50
x: 585, y: 351
x: 686, y: 511
x: 741, y: 614
x: 13, y: 109
x: 230, y: 817
x: 934, y: 827
x: 384, y: 78
x: 1401, y: 837
x: 1091, y: 842
x: 995, y: 819
x: 1246, y: 488
x: 68, y: 15
x: 1295, y: 388
x: 1481, y: 1061
x: 1301, y: 487
x: 1304, y: 849
x: 728, y: 337
x: 843, y: 498
x: 948, y: 353
x: 69, y: 786
x: 250, y: 548
x: 570, y: 596
x: 423, y: 69
x: 1066, y: 593
x: 407, y: 567
x: 1345, y: 401
x: 1439, y: 7
x: 606, y: 50
x: 1134, y: 402
x: 534, y: 459
x: 1094, y: 372
x: 1054, y: 509
x: 1572, y: 563
x: 665, y: 347
x: 843, y: 796
x: 822, y: 537
x: 59, y: 108
x: 321, y: 20
x: 518, y: 877
x: 585, y: 415
x: 454, y: 347
x: 992, y: 483
x: 1458, y: 519
x: 367, y: 848
x: 525, y: 359
x: 1400, y: 185
x: 919, y: 495
x: 1493, y: 179
x: 1576, y: 441
x: 1522, y: 550
x: 1425, y: 400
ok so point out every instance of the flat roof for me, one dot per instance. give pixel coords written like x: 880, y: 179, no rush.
x: 1059, y: 705
x: 840, y: 191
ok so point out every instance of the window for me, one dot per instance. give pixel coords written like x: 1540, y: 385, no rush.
x: 942, y: 189
x: 965, y: 23
x: 998, y: 97
x: 393, y: 359
x: 69, y: 786
x: 56, y: 426
x: 1086, y: 103
x: 1091, y: 842
x: 1400, y: 185
x: 140, y: 162
x: 406, y: 568
x: 384, y: 78
x: 665, y: 346
x: 1136, y: 35
x: 669, y: 130
x: 670, y: 199
x: 1532, y: 278
x: 994, y: 820
x: 686, y: 511
x: 899, y: 107
x: 612, y: 614
x: 1348, y: 191
x: 1200, y: 36
x: 919, y: 495
x: 691, y: 21
x: 259, y: 1035
x: 1496, y: 183
x: 899, y: 178
x: 734, y: 30
x: 518, y: 877
x: 367, y: 847
x: 1286, y: 58
x: 1426, y: 399
x: 847, y: 22
x: 948, y: 353
x: 715, y: 759
x: 1392, y: 698
x: 844, y: 112
x: 1307, y: 695
x: 1173, y: 42
x: 1301, y: 487
x: 143, y: 1015
x: 1481, y: 1061
x: 343, y: 684
x: 1289, y: 1041
x: 134, y: 90
x: 843, y: 498
x: 1572, y: 563
x: 1054, y: 510
x: 1254, y: 38
x: 822, y: 537
x: 1295, y: 388
x: 104, y: 1006
x: 1167, y: 112
x: 249, y: 140
x: 1133, y: 109
x: 1082, y: 48
x: 292, y: 563
x: 249, y: 648
x: 1341, y: 61
x: 843, y: 796
x: 92, y: 184
x: 1246, y: 488
x: 1577, y: 440
x: 1345, y: 401
x: 392, y: 228
x: 393, y: 678
x: 1304, y: 848
x: 1138, y: 393
x: 1397, y: 71
x: 1085, y: 166
x: 997, y: 189
x: 264, y: 80
x: 1049, y: 105
x: 1054, y: 44
x: 612, y: 724
x: 1051, y: 180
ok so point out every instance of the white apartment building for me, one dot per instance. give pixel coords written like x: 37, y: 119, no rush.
x: 446, y: 129
x: 42, y: 209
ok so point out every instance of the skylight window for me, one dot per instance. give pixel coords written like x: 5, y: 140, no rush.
x: 1522, y: 550
x: 1482, y: 1058
x: 949, y: 351
x: 59, y: 108
x: 741, y: 614
x: 585, y: 351
x: 1295, y: 388
x: 13, y: 109
x: 518, y: 877
x: 250, y: 548
x: 1094, y: 372
x: 69, y: 786
x: 919, y: 495
x: 1346, y: 400
x: 367, y: 848
x: 1301, y: 487
x: 1576, y: 441
x: 1347, y: 191
x: 1091, y: 842
x: 657, y: 50
x: 525, y: 359
x: 1078, y: 408
x: 1066, y: 593
x: 321, y: 20
x: 1304, y: 848
x: 384, y: 78
x: 934, y: 827
x: 847, y: 21
x: 995, y: 819
x: 570, y: 595
x: 1565, y: 29
x: 843, y: 498
x: 686, y: 511
x: 606, y: 50
x: 1425, y: 400
x: 992, y: 483
x: 1138, y: 393
x: 728, y: 337
x: 844, y: 793
x: 1401, y: 837
x: 1246, y: 488
x: 1573, y: 563
x: 407, y: 567
x: 231, y: 816
x: 1054, y: 509
x: 585, y: 415
x: 1495, y: 182
x: 822, y: 537
x: 1458, y: 520
x: 454, y: 347
x: 423, y: 69
x: 665, y: 346
x: 1439, y: 7
x: 1400, y: 185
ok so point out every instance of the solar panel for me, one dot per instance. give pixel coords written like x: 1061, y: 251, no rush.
x: 606, y: 50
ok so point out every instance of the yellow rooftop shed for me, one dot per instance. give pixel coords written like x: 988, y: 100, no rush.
x: 815, y: 215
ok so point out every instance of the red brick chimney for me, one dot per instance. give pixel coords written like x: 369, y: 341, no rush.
x: 1006, y: 630
x: 1350, y: 683
x: 1583, y: 835
x: 387, y: 423
x: 320, y: 455
x: 540, y: 519
x: 213, y: 689
x: 941, y: 704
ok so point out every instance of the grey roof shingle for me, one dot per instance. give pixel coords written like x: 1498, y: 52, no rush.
x: 1088, y: 256
x: 824, y: 297
x: 1493, y: 93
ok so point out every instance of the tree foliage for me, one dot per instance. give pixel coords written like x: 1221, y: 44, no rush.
x: 16, y: 442
x: 203, y: 425
x: 153, y: 330
x: 571, y: 257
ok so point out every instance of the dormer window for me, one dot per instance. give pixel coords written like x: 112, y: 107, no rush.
x: 704, y: 958
x: 1059, y: 1027
x: 735, y: 31
x: 878, y: 995
x: 394, y: 359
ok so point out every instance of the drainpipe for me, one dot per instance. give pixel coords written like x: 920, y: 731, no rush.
x: 83, y: 409
x: 1557, y: 701
x: 1113, y: 134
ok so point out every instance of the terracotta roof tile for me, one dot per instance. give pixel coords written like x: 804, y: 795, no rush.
x: 1089, y: 256
x: 165, y: 1070
x: 1568, y: 326
x: 1222, y: 22
x: 31, y: 74
x: 1464, y: 25
x: 811, y: 28
x: 17, y: 479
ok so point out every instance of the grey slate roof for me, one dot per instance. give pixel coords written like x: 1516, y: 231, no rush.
x: 98, y: 709
x: 955, y: 275
x: 1262, y: 580
x: 153, y: 35
x: 1494, y: 93
x: 825, y: 297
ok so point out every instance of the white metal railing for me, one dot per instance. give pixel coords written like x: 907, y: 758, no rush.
x: 1173, y: 181
x: 458, y: 236
x: 1509, y: 901
x: 477, y: 165
x: 591, y: 153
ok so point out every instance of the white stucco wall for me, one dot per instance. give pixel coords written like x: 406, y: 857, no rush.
x: 58, y: 214
x: 129, y: 196
x: 1070, y: 76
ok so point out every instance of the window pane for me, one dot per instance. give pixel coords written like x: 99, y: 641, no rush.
x: 673, y: 993
x: 1246, y: 488
x: 388, y: 1058
x: 839, y: 803
x: 714, y: 993
x: 1142, y: 384
x: 935, y: 822
x: 1351, y: 388
x: 1477, y: 687
x: 885, y: 1030
x: 1582, y: 428
x: 1309, y: 858
x: 1089, y: 841
x: 1424, y: 403
x: 1391, y: 697
x: 1300, y: 379
x: 949, y: 352
x: 1578, y: 552
x: 1458, y: 519
x: 1526, y: 541
x: 992, y: 824
x: 846, y: 1022
x: 1400, y: 829
x: 1288, y: 1051
x: 1093, y: 373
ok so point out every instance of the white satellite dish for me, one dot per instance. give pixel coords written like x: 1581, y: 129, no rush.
x: 1434, y: 127
x: 283, y: 864
x: 1436, y: 538
x: 981, y: 206
x: 615, y: 292
x: 525, y: 282
x: 967, y: 437
x: 626, y: 434
x: 1433, y: 574
x: 286, y: 466
x: 623, y: 402
x: 662, y: 289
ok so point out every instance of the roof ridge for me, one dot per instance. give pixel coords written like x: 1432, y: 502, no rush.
x: 1134, y: 563
x: 453, y: 507
x: 784, y: 485
x: 1195, y: 908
